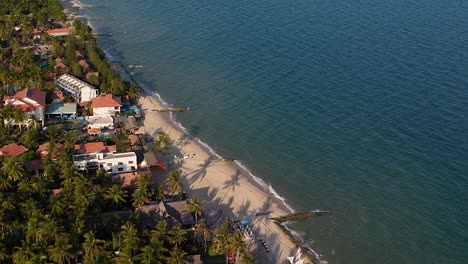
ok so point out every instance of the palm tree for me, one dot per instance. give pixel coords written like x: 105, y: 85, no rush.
x: 237, y: 244
x: 23, y: 254
x: 6, y: 112
x: 143, y: 181
x: 57, y: 206
x: 92, y: 247
x: 150, y: 254
x: 173, y: 182
x: 12, y: 168
x: 116, y: 194
x: 177, y: 236
x: 202, y: 230
x: 3, y: 254
x: 4, y: 183
x: 223, y: 244
x: 160, y: 232
x: 130, y: 238
x: 19, y: 116
x: 159, y: 193
x: 122, y: 143
x: 60, y: 252
x: 195, y: 206
x: 177, y: 256
x: 163, y: 141
x: 140, y: 197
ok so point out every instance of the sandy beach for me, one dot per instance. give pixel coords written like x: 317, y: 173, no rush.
x: 223, y: 185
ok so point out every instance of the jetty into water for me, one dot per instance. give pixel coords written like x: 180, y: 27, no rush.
x: 316, y: 212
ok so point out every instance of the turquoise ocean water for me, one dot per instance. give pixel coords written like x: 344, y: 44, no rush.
x: 358, y: 107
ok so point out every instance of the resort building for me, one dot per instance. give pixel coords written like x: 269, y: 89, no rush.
x: 76, y: 88
x: 111, y: 162
x: 106, y: 105
x: 31, y: 101
x: 12, y: 150
x: 65, y: 111
x: 59, y: 32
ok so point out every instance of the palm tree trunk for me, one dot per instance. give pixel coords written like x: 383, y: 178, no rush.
x: 237, y: 255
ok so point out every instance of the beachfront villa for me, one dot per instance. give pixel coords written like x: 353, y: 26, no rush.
x: 79, y: 90
x: 111, y: 162
x: 31, y: 101
x: 98, y: 155
x: 106, y: 105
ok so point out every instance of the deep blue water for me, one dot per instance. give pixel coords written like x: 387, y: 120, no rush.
x: 353, y: 106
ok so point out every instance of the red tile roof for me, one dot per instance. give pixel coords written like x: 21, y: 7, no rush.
x: 89, y: 74
x: 12, y: 150
x: 37, y: 96
x: 58, y: 30
x: 93, y: 147
x: 106, y: 100
x: 84, y: 64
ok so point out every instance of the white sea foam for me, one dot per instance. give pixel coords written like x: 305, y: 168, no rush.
x: 305, y: 245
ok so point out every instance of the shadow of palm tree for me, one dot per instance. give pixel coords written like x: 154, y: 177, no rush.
x: 200, y: 173
x: 231, y: 183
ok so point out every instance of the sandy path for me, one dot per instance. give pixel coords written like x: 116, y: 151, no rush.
x: 223, y: 185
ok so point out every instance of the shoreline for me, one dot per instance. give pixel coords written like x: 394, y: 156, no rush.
x: 260, y: 195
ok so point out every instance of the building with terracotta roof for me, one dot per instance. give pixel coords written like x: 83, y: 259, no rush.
x: 76, y: 88
x: 93, y: 147
x: 12, y: 150
x: 84, y: 64
x: 43, y: 150
x: 29, y: 100
x: 90, y: 74
x: 59, y: 32
x: 106, y: 105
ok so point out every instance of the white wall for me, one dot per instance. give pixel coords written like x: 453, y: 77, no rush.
x: 103, y: 111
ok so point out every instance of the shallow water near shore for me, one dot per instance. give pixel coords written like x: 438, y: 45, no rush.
x: 354, y: 107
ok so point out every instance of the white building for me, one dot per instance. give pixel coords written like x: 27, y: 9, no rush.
x: 76, y: 88
x: 106, y: 105
x: 111, y: 162
x: 101, y: 122
x: 31, y: 101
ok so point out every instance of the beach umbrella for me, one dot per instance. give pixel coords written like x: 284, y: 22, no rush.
x: 82, y: 118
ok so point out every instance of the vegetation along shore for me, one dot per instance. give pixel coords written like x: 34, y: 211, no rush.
x: 94, y: 170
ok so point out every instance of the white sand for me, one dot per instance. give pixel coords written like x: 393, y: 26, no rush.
x: 223, y: 185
